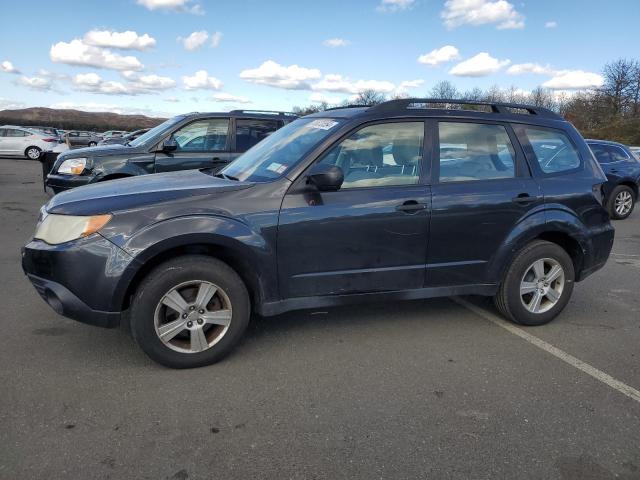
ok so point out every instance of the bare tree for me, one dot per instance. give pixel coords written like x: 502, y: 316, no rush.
x: 445, y: 90
x: 369, y: 97
x: 618, y: 80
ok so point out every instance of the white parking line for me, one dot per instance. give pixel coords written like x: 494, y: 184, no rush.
x: 556, y: 352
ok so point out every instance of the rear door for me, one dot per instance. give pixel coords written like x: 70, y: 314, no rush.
x: 14, y: 140
x: 482, y: 189
x: 203, y: 143
x: 4, y: 140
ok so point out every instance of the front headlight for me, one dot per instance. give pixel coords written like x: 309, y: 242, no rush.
x: 73, y: 166
x: 55, y: 229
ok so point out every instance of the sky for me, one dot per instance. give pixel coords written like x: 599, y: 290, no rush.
x: 164, y: 57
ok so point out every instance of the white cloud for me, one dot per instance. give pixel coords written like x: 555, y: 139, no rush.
x: 392, y: 6
x: 410, y: 84
x: 6, y: 104
x: 318, y: 97
x: 481, y: 65
x: 535, y: 68
x: 36, y: 83
x: 186, y: 6
x: 216, y: 38
x: 128, y: 40
x: 201, y: 80
x: 228, y: 98
x: 336, y: 42
x: 7, y: 67
x: 106, y: 107
x: 338, y: 83
x: 77, y: 52
x: 574, y: 80
x: 195, y: 40
x: 551, y: 24
x: 273, y: 74
x: 92, y: 82
x: 440, y: 55
x: 481, y: 12
x: 172, y: 100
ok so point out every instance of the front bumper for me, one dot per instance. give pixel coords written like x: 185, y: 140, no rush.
x: 79, y: 279
x: 59, y: 183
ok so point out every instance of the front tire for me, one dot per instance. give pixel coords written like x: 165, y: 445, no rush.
x: 32, y: 153
x: 537, y: 285
x: 190, y: 312
x: 621, y: 202
x: 92, y: 144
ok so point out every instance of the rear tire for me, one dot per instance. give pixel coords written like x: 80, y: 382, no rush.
x: 621, y: 202
x: 190, y: 312
x: 538, y: 284
x: 32, y: 153
x: 92, y: 144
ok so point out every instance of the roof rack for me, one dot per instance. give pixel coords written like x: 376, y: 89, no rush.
x: 496, y: 107
x: 345, y: 106
x: 264, y: 112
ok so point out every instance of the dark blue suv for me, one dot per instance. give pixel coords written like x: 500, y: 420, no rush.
x: 408, y: 199
x: 622, y: 169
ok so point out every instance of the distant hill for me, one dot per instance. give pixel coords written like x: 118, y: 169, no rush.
x: 76, y: 119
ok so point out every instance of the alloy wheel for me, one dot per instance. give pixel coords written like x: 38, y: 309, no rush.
x: 193, y: 316
x: 623, y: 203
x: 542, y: 285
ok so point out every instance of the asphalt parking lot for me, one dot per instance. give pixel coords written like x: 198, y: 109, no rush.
x: 423, y: 389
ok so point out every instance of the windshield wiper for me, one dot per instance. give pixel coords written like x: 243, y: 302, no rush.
x: 227, y: 177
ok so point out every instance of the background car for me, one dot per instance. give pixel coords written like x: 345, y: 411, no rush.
x: 191, y: 141
x: 622, y: 168
x: 112, y: 133
x: 77, y: 138
x: 124, y: 138
x: 25, y: 142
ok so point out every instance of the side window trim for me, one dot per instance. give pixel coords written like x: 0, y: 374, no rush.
x: 521, y: 168
x: 531, y: 156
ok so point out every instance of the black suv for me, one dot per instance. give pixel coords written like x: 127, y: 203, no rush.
x: 622, y: 169
x: 194, y: 140
x: 392, y: 202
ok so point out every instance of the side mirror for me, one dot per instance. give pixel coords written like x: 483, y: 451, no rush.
x: 169, y: 145
x: 326, y: 178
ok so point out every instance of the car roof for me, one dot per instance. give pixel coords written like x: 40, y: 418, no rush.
x: 606, y: 142
x: 266, y: 114
x: 429, y: 107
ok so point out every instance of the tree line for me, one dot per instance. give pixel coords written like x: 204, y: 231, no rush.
x: 610, y: 112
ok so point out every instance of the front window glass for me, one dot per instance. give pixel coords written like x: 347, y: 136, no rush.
x: 475, y: 151
x: 272, y: 157
x: 380, y: 155
x: 155, y: 131
x: 600, y: 152
x: 208, y: 135
x: 553, y: 149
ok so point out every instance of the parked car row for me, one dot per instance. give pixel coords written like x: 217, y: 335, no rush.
x: 403, y: 200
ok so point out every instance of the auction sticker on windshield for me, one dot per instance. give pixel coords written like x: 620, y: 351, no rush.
x: 277, y: 167
x: 323, y: 124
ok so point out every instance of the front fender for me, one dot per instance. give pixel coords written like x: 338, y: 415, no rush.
x: 231, y: 236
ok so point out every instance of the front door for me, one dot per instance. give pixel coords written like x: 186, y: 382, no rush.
x: 482, y: 189
x: 201, y: 144
x: 370, y: 235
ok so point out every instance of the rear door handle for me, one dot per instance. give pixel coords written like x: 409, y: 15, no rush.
x: 525, y: 198
x: 411, y: 206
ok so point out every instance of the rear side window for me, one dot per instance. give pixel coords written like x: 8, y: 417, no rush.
x: 203, y: 135
x: 553, y: 150
x: 475, y: 151
x: 249, y: 132
x: 617, y: 154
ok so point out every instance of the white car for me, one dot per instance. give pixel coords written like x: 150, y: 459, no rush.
x: 24, y: 142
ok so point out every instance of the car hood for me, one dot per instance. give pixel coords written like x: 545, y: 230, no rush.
x: 136, y: 192
x: 99, y: 151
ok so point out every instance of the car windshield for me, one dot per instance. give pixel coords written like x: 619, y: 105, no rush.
x: 159, y: 130
x: 273, y: 156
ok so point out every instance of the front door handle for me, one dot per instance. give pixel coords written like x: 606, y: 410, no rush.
x: 411, y: 206
x: 525, y: 198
